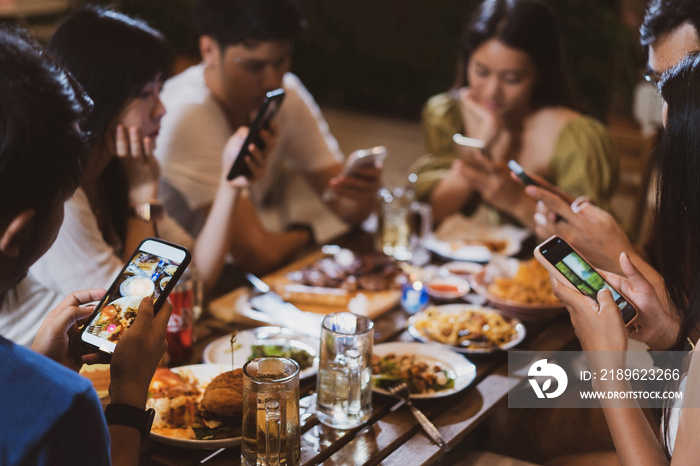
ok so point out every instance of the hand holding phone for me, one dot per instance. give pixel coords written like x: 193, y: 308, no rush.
x: 268, y: 109
x: 364, y: 158
x: 528, y: 180
x: 152, y: 272
x: 562, y: 260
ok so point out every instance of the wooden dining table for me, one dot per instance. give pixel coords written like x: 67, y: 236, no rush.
x: 392, y: 436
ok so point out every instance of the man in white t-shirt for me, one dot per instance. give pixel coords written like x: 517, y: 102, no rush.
x: 246, y: 48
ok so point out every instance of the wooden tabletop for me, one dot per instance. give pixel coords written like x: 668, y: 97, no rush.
x: 392, y: 435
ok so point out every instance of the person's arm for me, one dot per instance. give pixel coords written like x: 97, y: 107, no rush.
x: 132, y: 367
x: 355, y: 194
x: 257, y: 249
x: 686, y: 450
x: 142, y: 171
x: 232, y: 223
x: 493, y: 182
x: 600, y: 331
x: 590, y: 230
x: 450, y: 194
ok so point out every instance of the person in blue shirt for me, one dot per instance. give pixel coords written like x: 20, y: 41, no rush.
x: 50, y: 415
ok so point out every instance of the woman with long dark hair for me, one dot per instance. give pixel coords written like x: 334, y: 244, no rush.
x: 121, y: 62
x: 511, y: 92
x: 599, y: 327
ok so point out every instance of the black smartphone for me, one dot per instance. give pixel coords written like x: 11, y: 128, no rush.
x: 528, y: 180
x: 560, y: 258
x: 153, y: 270
x: 268, y: 109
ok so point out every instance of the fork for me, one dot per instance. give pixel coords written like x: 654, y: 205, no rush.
x: 401, y: 391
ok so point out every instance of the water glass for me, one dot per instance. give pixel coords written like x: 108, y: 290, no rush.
x: 344, y: 384
x: 402, y: 223
x: 271, y: 433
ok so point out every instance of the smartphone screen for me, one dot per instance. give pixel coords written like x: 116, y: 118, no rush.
x: 520, y: 173
x: 152, y: 271
x: 268, y: 110
x: 581, y: 274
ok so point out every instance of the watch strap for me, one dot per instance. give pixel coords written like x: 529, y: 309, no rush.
x: 126, y: 415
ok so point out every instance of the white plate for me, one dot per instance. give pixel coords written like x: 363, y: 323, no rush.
x: 204, y: 374
x: 127, y: 288
x: 454, y: 308
x: 512, y: 235
x: 457, y: 366
x: 219, y: 350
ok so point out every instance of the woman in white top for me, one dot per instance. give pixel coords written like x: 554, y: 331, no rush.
x: 121, y: 64
x: 599, y: 327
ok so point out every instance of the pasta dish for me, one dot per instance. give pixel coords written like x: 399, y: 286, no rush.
x: 530, y: 285
x: 464, y: 327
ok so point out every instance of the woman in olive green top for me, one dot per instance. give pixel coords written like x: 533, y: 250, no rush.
x: 514, y: 97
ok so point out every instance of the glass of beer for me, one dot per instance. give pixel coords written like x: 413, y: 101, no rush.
x: 344, y: 384
x: 403, y: 223
x: 271, y: 433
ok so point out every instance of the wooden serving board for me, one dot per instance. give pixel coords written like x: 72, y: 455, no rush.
x: 228, y: 307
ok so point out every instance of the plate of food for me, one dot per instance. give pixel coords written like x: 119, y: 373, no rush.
x: 137, y: 286
x: 467, y: 328
x: 197, y: 406
x: 265, y: 341
x: 147, y: 262
x: 115, y: 318
x: 461, y: 239
x: 164, y: 282
x: 430, y: 371
x: 519, y: 288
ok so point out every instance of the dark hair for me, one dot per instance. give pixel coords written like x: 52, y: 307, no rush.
x: 112, y: 56
x: 677, y: 220
x: 232, y: 22
x: 42, y: 149
x: 663, y: 16
x: 527, y: 25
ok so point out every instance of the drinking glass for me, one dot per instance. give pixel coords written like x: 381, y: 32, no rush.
x: 344, y: 384
x: 186, y: 298
x: 271, y: 435
x: 403, y: 223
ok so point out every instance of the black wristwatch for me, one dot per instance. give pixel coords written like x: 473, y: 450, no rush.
x: 126, y: 415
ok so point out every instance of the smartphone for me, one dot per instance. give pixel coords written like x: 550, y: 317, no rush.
x: 268, y: 109
x: 364, y: 158
x: 528, y: 180
x: 465, y: 141
x: 153, y: 270
x: 560, y: 258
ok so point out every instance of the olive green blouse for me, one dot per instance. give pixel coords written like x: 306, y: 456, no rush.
x: 584, y: 162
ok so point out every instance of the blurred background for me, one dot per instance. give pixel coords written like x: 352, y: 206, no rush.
x: 371, y: 65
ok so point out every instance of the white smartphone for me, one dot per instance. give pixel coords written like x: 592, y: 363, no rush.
x: 364, y: 158
x: 153, y: 270
x: 465, y: 141
x: 560, y: 258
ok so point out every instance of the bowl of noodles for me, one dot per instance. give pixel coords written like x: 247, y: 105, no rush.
x: 467, y: 328
x: 518, y: 288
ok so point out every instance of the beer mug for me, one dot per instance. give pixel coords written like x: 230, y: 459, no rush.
x: 403, y: 223
x: 271, y: 433
x: 344, y: 384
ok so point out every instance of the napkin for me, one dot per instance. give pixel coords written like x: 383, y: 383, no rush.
x: 287, y: 315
